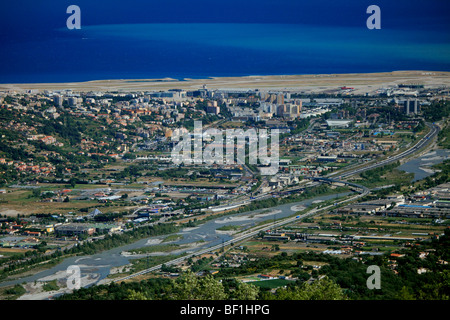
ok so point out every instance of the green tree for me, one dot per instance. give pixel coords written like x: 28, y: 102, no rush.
x: 405, y: 294
x: 189, y: 287
x: 323, y: 289
x: 246, y: 291
x: 36, y: 193
x: 136, y: 295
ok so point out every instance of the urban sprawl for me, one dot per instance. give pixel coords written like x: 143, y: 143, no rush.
x: 80, y: 171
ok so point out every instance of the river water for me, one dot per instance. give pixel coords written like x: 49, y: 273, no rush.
x: 421, y: 166
x: 98, y: 266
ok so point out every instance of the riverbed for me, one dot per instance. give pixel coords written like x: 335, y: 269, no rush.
x: 98, y: 266
x: 422, y: 166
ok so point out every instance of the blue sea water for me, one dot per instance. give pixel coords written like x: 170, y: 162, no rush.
x: 201, y: 48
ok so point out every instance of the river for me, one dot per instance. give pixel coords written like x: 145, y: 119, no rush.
x: 421, y: 166
x: 98, y: 266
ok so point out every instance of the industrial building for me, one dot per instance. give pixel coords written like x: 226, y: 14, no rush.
x: 74, y: 229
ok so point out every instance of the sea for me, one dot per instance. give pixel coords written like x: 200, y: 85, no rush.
x: 212, y: 39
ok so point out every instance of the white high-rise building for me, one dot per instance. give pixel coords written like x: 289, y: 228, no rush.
x: 411, y: 107
x: 58, y: 100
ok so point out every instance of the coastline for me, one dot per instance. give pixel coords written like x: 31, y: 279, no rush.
x: 308, y: 83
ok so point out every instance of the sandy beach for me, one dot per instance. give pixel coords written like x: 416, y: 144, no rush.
x: 361, y: 82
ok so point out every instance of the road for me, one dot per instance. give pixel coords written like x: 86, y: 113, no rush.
x: 251, y: 233
x: 239, y: 238
x: 336, y: 176
x: 363, y: 191
x: 427, y: 139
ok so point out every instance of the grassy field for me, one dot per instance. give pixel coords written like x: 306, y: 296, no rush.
x: 271, y: 284
x: 21, y: 201
x: 380, y: 226
x: 395, y: 176
x: 229, y: 228
x: 141, y: 264
x: 173, y: 237
x: 157, y: 248
x: 267, y: 249
x: 9, y: 252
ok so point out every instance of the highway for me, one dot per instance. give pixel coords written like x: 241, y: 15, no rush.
x: 337, y: 177
x: 422, y: 143
x: 363, y: 191
x: 252, y: 232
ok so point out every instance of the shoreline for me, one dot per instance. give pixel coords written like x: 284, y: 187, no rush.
x: 362, y: 82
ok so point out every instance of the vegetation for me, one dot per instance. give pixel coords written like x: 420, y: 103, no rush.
x: 50, y: 286
x: 439, y: 177
x: 337, y: 279
x: 229, y: 228
x: 307, y: 193
x: 384, y: 175
x: 108, y: 242
x: 191, y: 287
x: 444, y: 136
x: 436, y: 111
x: 116, y: 240
x: 15, y: 292
x: 323, y: 289
x: 156, y: 248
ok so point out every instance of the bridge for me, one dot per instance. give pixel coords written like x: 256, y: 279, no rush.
x: 362, y: 190
x: 359, y: 188
x: 425, y: 141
